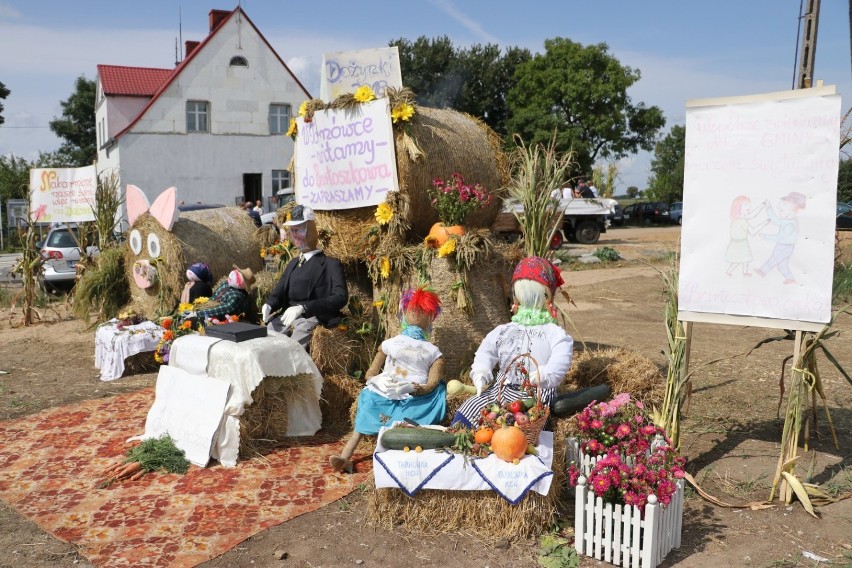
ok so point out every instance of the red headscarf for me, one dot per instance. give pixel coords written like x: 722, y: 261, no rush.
x: 539, y: 270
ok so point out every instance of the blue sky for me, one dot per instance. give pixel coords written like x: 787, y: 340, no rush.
x: 683, y: 49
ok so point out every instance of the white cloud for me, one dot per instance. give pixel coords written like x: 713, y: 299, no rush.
x: 450, y: 9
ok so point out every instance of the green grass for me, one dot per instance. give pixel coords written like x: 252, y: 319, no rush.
x: 842, y: 285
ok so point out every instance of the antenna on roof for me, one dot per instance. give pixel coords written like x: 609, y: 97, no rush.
x: 180, y: 32
x: 176, y: 52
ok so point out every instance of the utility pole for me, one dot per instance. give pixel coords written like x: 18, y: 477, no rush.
x: 809, y: 44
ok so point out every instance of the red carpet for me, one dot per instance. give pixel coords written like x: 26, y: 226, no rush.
x: 50, y: 464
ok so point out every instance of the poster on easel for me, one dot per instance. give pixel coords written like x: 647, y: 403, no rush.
x: 760, y: 186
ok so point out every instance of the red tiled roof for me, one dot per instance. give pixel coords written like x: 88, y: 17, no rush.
x: 132, y: 81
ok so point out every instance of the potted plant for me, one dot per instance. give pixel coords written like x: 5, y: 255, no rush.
x: 455, y: 199
x: 628, y: 483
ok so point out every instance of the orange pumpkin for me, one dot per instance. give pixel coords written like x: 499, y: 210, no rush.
x: 509, y: 443
x: 442, y: 233
x: 483, y: 435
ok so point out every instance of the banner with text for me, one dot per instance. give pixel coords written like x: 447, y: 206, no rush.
x: 346, y: 158
x: 63, y: 194
x: 344, y: 71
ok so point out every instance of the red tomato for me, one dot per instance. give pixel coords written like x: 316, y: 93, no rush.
x: 516, y: 406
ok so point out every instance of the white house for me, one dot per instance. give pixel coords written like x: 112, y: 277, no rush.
x: 214, y: 126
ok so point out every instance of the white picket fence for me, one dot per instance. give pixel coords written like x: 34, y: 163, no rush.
x: 616, y: 533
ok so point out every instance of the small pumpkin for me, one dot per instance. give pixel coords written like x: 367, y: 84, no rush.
x: 483, y: 435
x: 441, y: 233
x: 509, y: 443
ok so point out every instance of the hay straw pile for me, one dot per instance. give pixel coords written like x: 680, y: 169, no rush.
x: 220, y: 237
x: 624, y: 370
x: 263, y: 424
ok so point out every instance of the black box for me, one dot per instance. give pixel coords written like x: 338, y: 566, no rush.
x: 236, y: 331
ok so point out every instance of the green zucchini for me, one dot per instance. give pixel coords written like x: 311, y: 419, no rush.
x: 571, y: 403
x: 401, y: 437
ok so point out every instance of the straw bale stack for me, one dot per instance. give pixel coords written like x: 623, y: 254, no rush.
x: 263, y: 424
x: 450, y: 141
x: 624, y: 370
x: 220, y: 237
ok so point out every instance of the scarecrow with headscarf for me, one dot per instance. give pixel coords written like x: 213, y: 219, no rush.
x: 231, y: 297
x: 533, y: 331
x: 199, y: 282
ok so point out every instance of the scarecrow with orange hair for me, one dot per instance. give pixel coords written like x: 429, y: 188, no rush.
x: 404, y: 380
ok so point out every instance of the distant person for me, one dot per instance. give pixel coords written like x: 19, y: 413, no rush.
x: 584, y: 189
x: 568, y: 192
x: 593, y: 189
x: 258, y: 206
x: 556, y: 194
x: 255, y: 216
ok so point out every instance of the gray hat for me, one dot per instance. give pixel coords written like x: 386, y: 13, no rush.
x: 300, y: 214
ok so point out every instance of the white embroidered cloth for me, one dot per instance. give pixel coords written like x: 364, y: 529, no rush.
x: 244, y: 365
x: 113, y: 346
x: 431, y: 469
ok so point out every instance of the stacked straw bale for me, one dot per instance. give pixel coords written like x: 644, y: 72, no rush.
x: 220, y: 237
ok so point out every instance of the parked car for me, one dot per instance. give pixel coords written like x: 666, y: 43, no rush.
x: 198, y: 206
x: 62, y: 253
x: 617, y: 216
x: 676, y: 212
x: 647, y: 212
x: 844, y: 216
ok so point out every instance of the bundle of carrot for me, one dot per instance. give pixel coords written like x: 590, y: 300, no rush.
x: 151, y: 455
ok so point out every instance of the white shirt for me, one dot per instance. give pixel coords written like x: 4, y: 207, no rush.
x: 594, y: 190
x: 567, y: 193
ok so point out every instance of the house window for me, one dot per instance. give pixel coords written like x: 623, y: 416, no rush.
x: 279, y: 118
x: 239, y: 61
x: 280, y: 180
x: 196, y: 116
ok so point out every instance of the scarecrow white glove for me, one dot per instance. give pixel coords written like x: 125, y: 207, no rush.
x: 480, y: 380
x: 534, y: 378
x: 398, y: 390
x: 187, y: 314
x: 291, y: 314
x: 265, y: 312
x: 382, y: 383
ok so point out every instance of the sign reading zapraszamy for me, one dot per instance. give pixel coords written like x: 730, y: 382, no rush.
x: 344, y: 71
x: 63, y: 194
x: 346, y: 158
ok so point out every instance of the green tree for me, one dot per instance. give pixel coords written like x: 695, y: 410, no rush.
x: 666, y: 181
x: 430, y: 68
x: 580, y: 93
x: 77, y: 125
x: 844, y: 181
x: 632, y: 192
x: 4, y: 92
x: 14, y: 178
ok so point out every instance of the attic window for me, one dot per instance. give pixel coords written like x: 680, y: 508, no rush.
x: 239, y: 61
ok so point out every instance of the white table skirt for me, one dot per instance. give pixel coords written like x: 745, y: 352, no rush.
x: 113, y: 346
x: 430, y: 469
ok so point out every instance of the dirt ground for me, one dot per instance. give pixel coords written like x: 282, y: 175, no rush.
x: 731, y: 438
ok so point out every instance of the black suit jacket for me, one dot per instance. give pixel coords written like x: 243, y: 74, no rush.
x: 327, y: 294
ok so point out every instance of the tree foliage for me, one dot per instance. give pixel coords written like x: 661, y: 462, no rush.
x: 844, y: 181
x: 4, y: 92
x: 666, y: 181
x: 14, y: 177
x: 77, y: 125
x: 473, y: 80
x: 580, y: 93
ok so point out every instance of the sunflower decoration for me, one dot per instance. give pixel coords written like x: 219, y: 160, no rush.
x: 383, y: 213
x: 365, y: 94
x: 293, y: 131
x: 430, y: 242
x: 384, y: 267
x: 447, y: 248
x: 402, y: 112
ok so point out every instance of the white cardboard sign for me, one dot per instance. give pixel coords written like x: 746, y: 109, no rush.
x: 346, y: 158
x: 346, y: 71
x: 188, y: 408
x: 63, y: 194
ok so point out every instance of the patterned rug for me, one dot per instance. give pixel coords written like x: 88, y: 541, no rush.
x: 50, y: 464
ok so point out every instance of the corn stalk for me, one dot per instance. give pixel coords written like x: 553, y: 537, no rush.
x: 677, y: 378
x: 604, y: 178
x: 107, y: 202
x: 536, y: 171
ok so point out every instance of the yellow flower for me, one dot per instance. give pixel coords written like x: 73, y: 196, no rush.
x: 385, y: 267
x: 263, y: 252
x: 185, y: 307
x: 403, y: 111
x: 447, y: 248
x: 200, y: 300
x: 364, y: 94
x: 303, y: 108
x: 384, y: 213
x: 293, y: 130
x: 379, y: 304
x: 343, y: 327
x: 430, y: 241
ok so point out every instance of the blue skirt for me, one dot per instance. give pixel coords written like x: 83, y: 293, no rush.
x: 375, y: 411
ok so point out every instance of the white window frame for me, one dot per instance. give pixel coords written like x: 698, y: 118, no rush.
x: 197, y: 116
x: 279, y: 118
x: 280, y: 180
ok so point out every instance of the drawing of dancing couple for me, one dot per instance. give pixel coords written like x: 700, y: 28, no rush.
x: 745, y: 223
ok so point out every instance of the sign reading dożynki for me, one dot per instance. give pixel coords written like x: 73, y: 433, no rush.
x: 346, y: 158
x: 344, y: 71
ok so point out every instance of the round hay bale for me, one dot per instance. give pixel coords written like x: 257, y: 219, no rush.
x: 220, y: 237
x: 624, y: 370
x: 450, y: 141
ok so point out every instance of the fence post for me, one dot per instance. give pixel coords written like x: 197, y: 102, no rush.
x: 649, y: 542
x: 580, y: 514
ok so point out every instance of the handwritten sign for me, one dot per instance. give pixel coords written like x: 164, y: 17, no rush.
x: 188, y: 408
x: 346, y: 158
x: 760, y: 186
x: 344, y: 71
x: 63, y: 194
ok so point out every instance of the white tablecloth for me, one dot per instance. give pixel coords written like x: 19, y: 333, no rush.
x: 113, y: 346
x: 431, y: 469
x: 244, y: 365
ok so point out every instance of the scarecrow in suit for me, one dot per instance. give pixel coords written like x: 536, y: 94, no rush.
x: 312, y: 290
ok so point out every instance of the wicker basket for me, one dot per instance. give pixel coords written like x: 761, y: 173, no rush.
x: 533, y: 428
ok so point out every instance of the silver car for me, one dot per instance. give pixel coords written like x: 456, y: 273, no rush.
x: 62, y: 253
